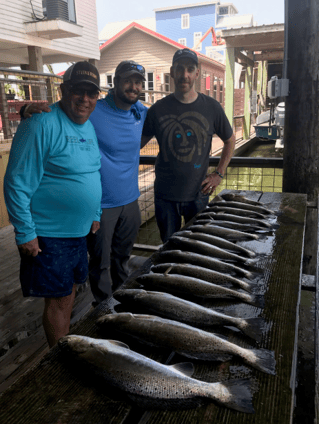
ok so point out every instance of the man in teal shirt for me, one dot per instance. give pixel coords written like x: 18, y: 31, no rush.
x: 53, y: 196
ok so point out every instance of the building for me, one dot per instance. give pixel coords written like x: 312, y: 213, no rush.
x: 155, y: 52
x: 113, y: 28
x: 38, y: 32
x: 197, y: 25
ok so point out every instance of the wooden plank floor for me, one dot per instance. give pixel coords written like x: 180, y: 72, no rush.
x: 51, y: 392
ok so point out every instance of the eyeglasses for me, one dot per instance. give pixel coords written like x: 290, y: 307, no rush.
x: 132, y: 67
x: 93, y: 93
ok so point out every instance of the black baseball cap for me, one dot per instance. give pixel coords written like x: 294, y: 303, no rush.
x: 185, y: 54
x: 82, y: 72
x: 129, y: 67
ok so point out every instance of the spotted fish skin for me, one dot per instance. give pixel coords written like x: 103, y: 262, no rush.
x: 216, y: 241
x: 234, y: 211
x: 226, y: 233
x: 185, y: 340
x: 182, y: 286
x: 241, y: 205
x: 233, y: 218
x: 203, y: 273
x: 166, y: 305
x: 151, y: 384
x: 239, y: 198
x: 201, y: 260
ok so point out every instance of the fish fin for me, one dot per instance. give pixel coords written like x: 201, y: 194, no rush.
x: 236, y: 394
x: 185, y: 368
x: 118, y: 343
x: 168, y: 270
x: 265, y: 360
x: 258, y: 300
x: 253, y: 328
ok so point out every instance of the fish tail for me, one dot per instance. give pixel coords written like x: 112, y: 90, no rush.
x: 258, y: 300
x: 265, y: 361
x: 236, y: 394
x: 253, y: 327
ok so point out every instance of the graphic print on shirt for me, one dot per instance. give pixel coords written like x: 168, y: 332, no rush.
x: 184, y: 134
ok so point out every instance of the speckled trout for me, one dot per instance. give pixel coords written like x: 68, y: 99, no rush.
x: 201, y: 273
x: 215, y: 241
x: 222, y: 232
x: 209, y: 220
x: 239, y: 198
x: 234, y: 211
x: 175, y: 308
x: 151, y: 384
x: 201, y: 260
x: 204, y: 248
x: 246, y: 206
x: 233, y: 218
x: 182, y: 285
x: 185, y: 340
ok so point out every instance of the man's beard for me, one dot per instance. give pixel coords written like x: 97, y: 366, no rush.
x: 121, y: 95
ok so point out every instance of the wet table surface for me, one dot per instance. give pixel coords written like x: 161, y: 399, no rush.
x: 55, y: 392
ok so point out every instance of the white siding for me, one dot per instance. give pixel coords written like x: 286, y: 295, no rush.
x: 14, y: 13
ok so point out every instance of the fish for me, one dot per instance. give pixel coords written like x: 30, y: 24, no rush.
x: 185, y: 340
x: 234, y: 211
x: 201, y: 260
x: 208, y: 219
x: 226, y: 233
x: 239, y: 198
x: 150, y: 384
x: 202, y: 273
x: 169, y: 306
x: 234, y: 218
x: 216, y: 241
x: 182, y: 285
x: 246, y: 206
x: 204, y: 248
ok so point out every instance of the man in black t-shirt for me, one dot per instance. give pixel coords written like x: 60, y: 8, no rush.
x: 184, y: 123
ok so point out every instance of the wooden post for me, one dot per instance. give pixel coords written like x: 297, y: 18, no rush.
x: 301, y: 133
x: 4, y: 113
x: 230, y: 83
x: 247, y: 118
x: 265, y: 80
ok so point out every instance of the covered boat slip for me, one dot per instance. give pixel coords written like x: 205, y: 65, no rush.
x: 57, y: 390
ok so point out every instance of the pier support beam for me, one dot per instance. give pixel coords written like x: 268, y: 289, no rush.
x: 230, y: 84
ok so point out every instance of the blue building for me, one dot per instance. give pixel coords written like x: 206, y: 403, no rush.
x: 188, y: 24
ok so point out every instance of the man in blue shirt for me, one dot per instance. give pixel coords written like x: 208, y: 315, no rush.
x: 118, y: 121
x: 53, y: 191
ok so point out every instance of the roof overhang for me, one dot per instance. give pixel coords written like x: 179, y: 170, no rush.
x: 258, y: 43
x: 53, y: 29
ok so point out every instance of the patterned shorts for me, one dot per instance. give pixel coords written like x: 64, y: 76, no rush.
x: 62, y: 263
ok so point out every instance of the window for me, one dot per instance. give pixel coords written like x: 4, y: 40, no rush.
x: 109, y: 80
x: 167, y: 82
x: 148, y: 85
x: 223, y: 10
x: 185, y: 21
x: 221, y: 91
x: 215, y: 87
x: 182, y: 41
x: 197, y: 37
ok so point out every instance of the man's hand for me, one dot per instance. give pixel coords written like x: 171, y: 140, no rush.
x: 31, y: 248
x: 210, y: 183
x: 35, y: 108
x: 95, y: 226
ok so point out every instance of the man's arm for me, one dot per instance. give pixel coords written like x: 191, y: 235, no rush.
x: 23, y: 175
x: 213, y: 180
x: 28, y: 110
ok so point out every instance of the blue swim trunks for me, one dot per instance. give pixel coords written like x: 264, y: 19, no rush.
x: 62, y: 263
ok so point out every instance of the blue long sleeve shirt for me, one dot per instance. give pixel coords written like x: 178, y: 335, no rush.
x: 119, y: 136
x: 52, y: 184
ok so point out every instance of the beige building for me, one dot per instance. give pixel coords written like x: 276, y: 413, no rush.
x: 155, y: 53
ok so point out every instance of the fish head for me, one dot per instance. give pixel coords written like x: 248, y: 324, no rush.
x: 122, y: 295
x: 110, y: 319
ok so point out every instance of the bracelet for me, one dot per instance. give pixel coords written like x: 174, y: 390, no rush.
x: 218, y: 173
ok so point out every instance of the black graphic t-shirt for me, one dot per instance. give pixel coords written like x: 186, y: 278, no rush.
x: 184, y: 133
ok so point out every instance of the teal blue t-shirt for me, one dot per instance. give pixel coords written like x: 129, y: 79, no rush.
x: 52, y: 183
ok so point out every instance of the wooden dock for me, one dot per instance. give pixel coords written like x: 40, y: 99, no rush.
x: 50, y: 392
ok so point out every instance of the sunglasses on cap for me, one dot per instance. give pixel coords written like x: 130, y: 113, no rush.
x: 131, y: 67
x: 92, y: 93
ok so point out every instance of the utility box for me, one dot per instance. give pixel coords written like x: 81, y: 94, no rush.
x: 278, y: 88
x: 57, y: 9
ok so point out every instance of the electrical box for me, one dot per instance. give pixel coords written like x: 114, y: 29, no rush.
x: 278, y: 88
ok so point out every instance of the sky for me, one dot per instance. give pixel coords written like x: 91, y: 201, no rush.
x: 264, y: 11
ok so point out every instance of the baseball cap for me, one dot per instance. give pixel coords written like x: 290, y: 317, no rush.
x: 185, y: 54
x: 82, y: 72
x: 129, y: 67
